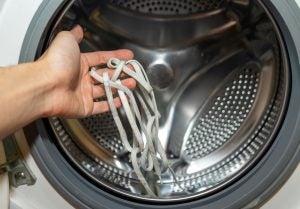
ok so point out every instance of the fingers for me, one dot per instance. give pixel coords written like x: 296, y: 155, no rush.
x: 102, y: 57
x: 103, y: 106
x: 77, y: 32
x: 98, y: 90
x: 110, y: 74
x: 101, y: 71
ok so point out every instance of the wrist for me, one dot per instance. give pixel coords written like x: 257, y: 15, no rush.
x: 45, y: 84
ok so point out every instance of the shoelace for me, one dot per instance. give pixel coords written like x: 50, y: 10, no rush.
x: 144, y: 121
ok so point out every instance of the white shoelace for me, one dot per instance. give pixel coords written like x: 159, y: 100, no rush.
x: 144, y: 121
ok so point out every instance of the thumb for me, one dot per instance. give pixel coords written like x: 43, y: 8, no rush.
x: 77, y: 32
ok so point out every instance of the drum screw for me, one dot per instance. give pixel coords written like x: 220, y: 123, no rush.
x: 20, y: 175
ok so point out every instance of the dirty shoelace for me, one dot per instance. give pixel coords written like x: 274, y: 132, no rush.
x: 146, y: 151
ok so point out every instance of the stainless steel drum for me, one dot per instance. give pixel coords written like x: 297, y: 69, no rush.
x: 221, y: 82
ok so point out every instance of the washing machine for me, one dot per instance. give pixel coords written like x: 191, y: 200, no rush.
x: 226, y: 76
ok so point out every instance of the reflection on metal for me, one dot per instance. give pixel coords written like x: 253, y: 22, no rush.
x: 221, y: 92
x: 169, y: 7
x: 170, y: 31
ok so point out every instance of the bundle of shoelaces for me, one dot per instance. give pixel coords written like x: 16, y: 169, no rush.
x: 146, y: 151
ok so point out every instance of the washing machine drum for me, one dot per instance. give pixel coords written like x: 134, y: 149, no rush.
x: 225, y: 78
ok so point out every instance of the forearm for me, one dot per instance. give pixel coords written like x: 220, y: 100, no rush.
x: 22, y: 96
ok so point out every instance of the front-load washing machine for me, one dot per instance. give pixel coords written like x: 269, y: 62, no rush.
x: 226, y: 77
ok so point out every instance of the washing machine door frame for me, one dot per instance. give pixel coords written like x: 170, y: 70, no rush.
x: 256, y: 186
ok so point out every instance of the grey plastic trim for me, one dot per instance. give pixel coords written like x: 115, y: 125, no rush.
x: 256, y: 186
x: 37, y: 29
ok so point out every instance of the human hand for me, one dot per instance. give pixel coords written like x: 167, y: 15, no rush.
x: 73, y: 90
